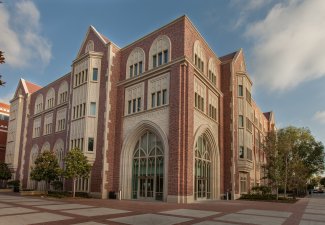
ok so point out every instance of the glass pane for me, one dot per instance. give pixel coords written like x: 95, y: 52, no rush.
x: 95, y: 74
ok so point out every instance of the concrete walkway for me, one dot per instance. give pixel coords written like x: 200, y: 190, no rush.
x: 18, y: 210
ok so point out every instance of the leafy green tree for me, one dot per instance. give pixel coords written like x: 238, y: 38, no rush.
x: 5, y: 173
x: 46, y: 168
x: 294, y: 156
x: 76, y: 166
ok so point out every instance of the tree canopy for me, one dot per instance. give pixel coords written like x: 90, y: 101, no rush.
x: 293, y: 156
x: 46, y: 168
x: 5, y: 173
x: 76, y: 166
x: 2, y: 60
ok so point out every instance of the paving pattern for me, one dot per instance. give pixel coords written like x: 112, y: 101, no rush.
x: 19, y: 210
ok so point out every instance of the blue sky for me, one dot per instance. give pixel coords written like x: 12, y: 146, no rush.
x: 283, y: 42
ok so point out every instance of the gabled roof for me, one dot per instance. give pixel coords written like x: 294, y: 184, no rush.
x: 229, y: 56
x: 31, y: 87
x: 267, y: 115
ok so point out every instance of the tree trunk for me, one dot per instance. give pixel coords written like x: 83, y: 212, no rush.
x: 286, y: 178
x: 74, y: 187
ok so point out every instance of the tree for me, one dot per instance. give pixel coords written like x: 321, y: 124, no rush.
x: 2, y: 60
x: 293, y: 157
x: 5, y: 173
x: 46, y: 168
x: 76, y: 166
x: 322, y: 181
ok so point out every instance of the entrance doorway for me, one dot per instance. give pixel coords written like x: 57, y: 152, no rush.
x: 148, y: 168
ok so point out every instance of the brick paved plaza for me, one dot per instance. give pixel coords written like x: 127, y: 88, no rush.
x: 18, y: 210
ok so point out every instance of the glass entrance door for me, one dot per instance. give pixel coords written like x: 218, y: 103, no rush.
x: 146, y: 187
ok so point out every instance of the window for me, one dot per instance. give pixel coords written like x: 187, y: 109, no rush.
x: 159, y: 51
x: 135, y: 63
x: 249, y: 154
x: 212, y: 112
x: 241, y: 121
x: 158, y: 98
x: 241, y: 152
x: 134, y: 105
x: 79, y: 110
x: 153, y: 100
x: 164, y: 97
x: 249, y: 124
x: 95, y: 74
x: 93, y: 108
x: 199, y: 102
x: 90, y: 144
x: 240, y: 90
x: 243, y: 183
x: 199, y: 56
x: 139, y: 104
x: 248, y: 96
x: 129, y: 106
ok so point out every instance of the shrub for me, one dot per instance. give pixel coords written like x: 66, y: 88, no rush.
x: 14, y: 183
x: 258, y: 197
x: 57, y: 185
x: 261, y: 190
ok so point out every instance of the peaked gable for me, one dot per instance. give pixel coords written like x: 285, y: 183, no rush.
x: 92, y: 35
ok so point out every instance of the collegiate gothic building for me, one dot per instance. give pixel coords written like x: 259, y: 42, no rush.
x: 163, y: 118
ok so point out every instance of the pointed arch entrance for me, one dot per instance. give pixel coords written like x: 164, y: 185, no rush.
x: 144, y: 163
x: 206, y: 165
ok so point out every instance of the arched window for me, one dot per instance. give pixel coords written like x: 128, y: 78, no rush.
x: 50, y: 99
x: 202, y: 172
x: 135, y: 65
x: 148, y: 168
x: 59, y: 151
x: 38, y: 104
x: 32, y: 157
x: 63, y: 92
x: 89, y: 46
x: 212, y: 71
x: 46, y: 147
x: 199, y: 56
x: 160, y: 51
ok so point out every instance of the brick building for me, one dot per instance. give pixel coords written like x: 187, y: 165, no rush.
x: 4, y: 119
x: 158, y: 119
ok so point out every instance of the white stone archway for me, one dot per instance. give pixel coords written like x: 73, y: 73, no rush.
x: 126, y: 156
x: 206, y: 131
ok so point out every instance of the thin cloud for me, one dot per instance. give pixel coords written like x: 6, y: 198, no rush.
x: 21, y: 37
x: 6, y: 98
x: 287, y: 45
x: 320, y: 116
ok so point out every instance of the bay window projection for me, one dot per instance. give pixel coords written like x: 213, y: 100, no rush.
x: 135, y: 63
x: 77, y: 143
x: 81, y: 77
x: 159, y: 53
x: 158, y: 91
x: 79, y: 111
x: 199, y: 56
x: 134, y: 99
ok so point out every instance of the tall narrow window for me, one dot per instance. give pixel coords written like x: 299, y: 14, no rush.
x: 140, y: 67
x: 139, y: 104
x: 134, y: 105
x: 159, y: 58
x: 131, y: 71
x: 154, y: 61
x: 164, y: 101
x: 93, y: 108
x: 129, y: 106
x: 158, y: 98
x: 90, y: 144
x: 136, y: 69
x: 241, y: 152
x: 95, y: 74
x: 240, y: 90
x: 153, y: 100
x: 166, y: 56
